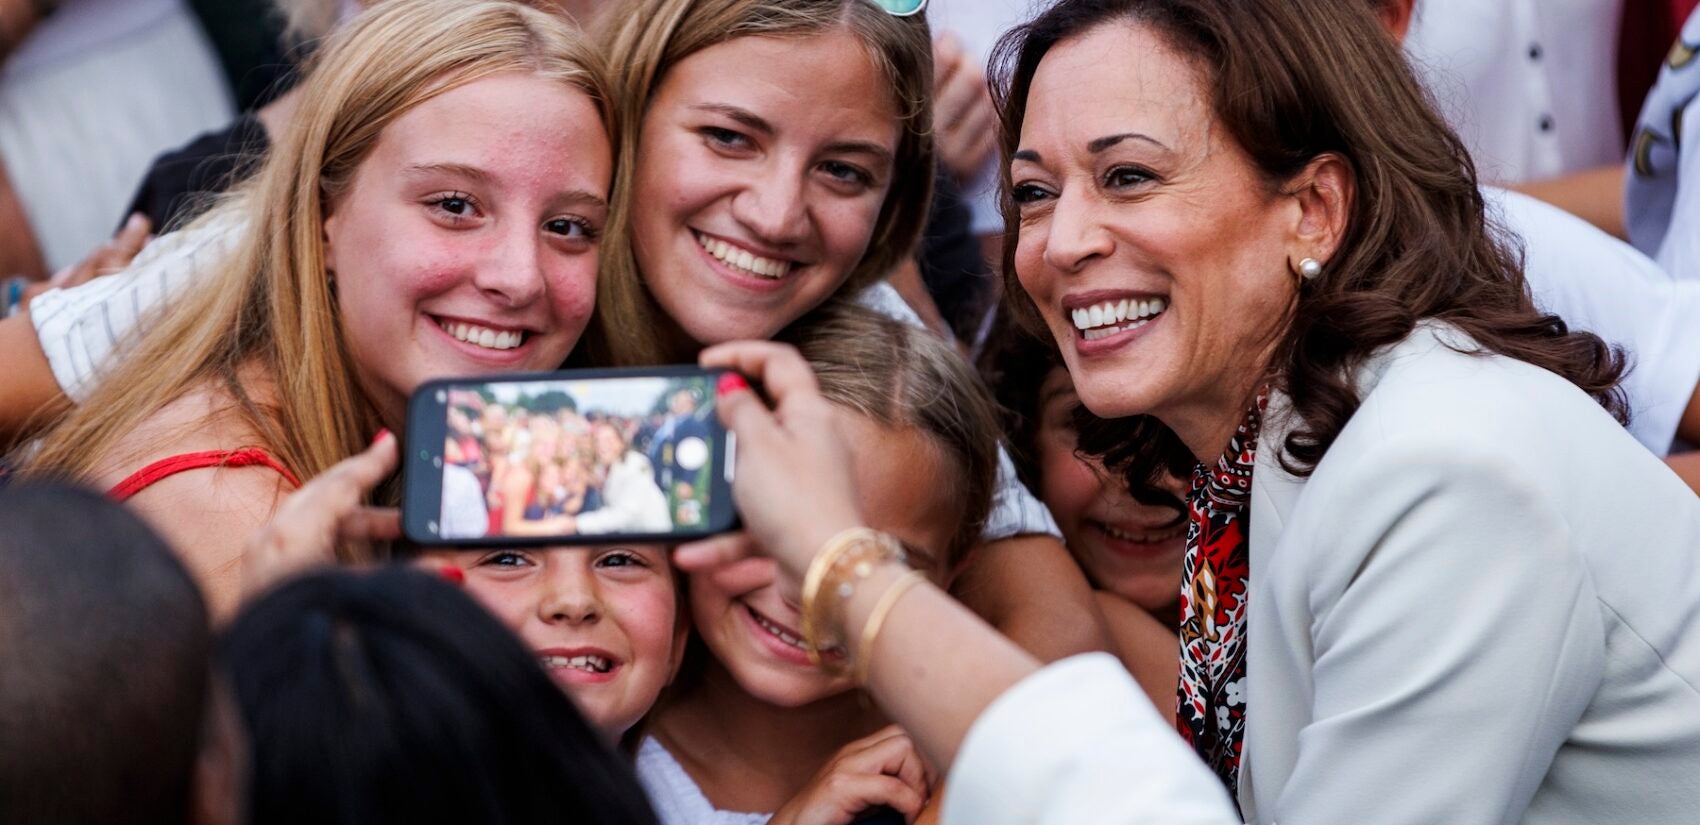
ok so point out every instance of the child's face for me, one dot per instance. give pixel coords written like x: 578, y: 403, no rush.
x: 603, y: 620
x: 1128, y: 548
x: 905, y: 488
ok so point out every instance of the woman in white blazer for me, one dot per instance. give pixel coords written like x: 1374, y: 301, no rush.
x: 1430, y: 577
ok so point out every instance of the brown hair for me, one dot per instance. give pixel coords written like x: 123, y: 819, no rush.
x: 1290, y: 82
x: 647, y: 40
x: 901, y: 376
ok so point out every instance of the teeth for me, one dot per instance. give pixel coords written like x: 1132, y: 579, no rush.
x: 1112, y: 313
x: 783, y: 635
x: 1143, y: 538
x: 744, y: 259
x: 593, y: 664
x: 483, y: 336
x: 1103, y: 332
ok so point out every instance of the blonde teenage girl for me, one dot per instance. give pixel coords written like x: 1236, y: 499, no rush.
x: 434, y: 211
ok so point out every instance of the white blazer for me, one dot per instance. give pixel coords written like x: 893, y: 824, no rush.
x: 1482, y: 607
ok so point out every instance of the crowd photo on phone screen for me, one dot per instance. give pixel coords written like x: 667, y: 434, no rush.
x: 542, y: 460
x: 849, y: 412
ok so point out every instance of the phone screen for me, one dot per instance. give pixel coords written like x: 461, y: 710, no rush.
x: 570, y: 457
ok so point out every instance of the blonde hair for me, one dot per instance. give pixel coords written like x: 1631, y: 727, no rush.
x: 644, y: 42
x: 269, y: 304
x: 901, y: 376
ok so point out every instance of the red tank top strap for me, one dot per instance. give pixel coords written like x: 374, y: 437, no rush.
x: 172, y: 465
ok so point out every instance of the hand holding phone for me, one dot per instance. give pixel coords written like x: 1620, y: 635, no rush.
x: 585, y: 456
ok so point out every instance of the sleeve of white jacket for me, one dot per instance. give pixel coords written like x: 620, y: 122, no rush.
x: 1078, y: 742
x: 631, y: 502
x: 84, y: 329
x: 1456, y: 639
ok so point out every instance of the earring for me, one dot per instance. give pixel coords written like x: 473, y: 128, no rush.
x: 1310, y: 268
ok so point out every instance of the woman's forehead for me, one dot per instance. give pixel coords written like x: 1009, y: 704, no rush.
x: 1118, y: 80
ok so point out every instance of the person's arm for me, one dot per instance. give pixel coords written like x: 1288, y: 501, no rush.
x: 20, y: 253
x: 634, y: 504
x: 1084, y: 732
x: 999, y: 583
x: 516, y: 490
x: 29, y: 394
x: 1595, y: 195
x: 1149, y: 651
x: 1445, y: 585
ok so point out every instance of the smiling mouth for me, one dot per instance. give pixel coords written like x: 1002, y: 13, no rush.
x: 1107, y: 318
x: 779, y: 631
x: 482, y: 336
x: 787, y: 635
x: 589, y: 664
x: 743, y: 260
x: 1154, y: 536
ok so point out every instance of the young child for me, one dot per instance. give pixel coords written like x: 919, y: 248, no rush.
x: 1131, y: 551
x: 388, y: 697
x: 754, y: 726
x: 603, y: 620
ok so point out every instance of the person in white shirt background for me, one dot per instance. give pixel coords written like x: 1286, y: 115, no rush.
x: 90, y: 92
x: 1661, y: 213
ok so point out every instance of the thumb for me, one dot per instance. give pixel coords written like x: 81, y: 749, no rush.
x: 375, y: 463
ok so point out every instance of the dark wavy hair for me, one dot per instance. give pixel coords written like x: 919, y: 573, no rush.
x: 1290, y: 82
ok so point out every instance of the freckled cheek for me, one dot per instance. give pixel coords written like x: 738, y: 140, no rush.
x: 433, y: 267
x: 572, y: 291
x: 649, y: 617
x: 508, y: 604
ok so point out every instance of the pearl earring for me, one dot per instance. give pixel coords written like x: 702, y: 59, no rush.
x: 1310, y: 268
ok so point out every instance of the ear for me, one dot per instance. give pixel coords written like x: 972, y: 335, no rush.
x: 1396, y: 17
x: 1324, y: 191
x: 327, y: 231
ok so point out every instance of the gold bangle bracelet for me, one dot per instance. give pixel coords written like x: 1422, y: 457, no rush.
x: 824, y: 561
x: 858, y: 549
x: 876, y: 620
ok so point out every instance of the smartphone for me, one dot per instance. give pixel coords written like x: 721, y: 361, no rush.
x: 570, y: 457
